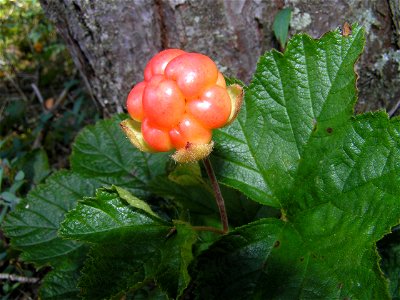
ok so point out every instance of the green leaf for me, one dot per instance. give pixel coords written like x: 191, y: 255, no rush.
x: 272, y: 259
x: 9, y: 197
x: 103, y: 152
x: 188, y: 174
x: 176, y: 255
x: 281, y: 25
x: 195, y: 199
x: 33, y: 225
x: 390, y: 251
x: 106, y: 216
x: 132, y: 247
x: 132, y: 200
x: 311, y: 86
x: 19, y: 176
x: 335, y: 177
x: 193, y: 195
x: 148, y: 292
x: 61, y: 283
x: 35, y: 165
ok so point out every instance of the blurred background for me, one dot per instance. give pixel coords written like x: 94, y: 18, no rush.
x: 65, y: 64
x: 43, y: 104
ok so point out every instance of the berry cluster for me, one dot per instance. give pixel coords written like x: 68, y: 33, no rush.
x: 182, y: 98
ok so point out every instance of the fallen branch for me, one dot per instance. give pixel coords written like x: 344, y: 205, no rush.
x: 22, y: 279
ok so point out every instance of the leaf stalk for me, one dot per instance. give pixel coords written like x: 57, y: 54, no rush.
x: 217, y: 192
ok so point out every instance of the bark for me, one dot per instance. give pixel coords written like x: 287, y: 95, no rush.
x: 111, y: 41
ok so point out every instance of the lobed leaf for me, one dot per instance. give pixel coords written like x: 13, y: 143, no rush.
x: 107, y: 216
x: 335, y: 177
x: 271, y: 259
x: 132, y: 247
x: 61, y: 282
x: 33, y: 225
x: 103, y: 152
x: 311, y: 84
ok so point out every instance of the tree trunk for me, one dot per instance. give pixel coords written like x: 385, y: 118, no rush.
x: 111, y: 41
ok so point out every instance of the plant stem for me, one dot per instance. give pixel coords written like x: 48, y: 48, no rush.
x: 218, y: 195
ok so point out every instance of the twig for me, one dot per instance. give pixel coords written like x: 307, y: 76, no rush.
x: 38, y: 141
x: 22, y: 279
x: 38, y: 95
x: 394, y: 109
x: 60, y: 99
x: 57, y: 103
x: 2, y: 108
x: 17, y: 87
x: 218, y: 195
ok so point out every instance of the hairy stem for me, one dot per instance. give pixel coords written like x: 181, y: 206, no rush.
x: 218, y: 195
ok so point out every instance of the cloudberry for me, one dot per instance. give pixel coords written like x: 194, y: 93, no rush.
x: 212, y: 108
x: 189, y: 131
x: 163, y: 104
x: 182, y: 98
x: 134, y: 102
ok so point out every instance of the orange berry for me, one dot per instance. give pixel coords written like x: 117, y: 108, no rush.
x: 213, y: 108
x: 156, y: 138
x: 155, y: 80
x: 189, y: 131
x: 163, y: 103
x: 157, y: 64
x: 193, y: 73
x: 182, y: 98
x: 134, y: 101
x: 177, y: 139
